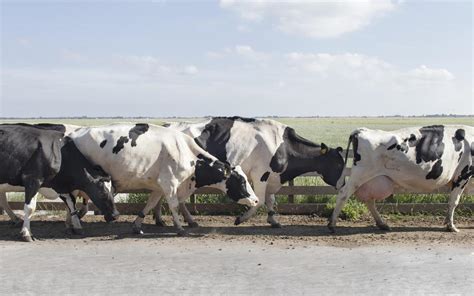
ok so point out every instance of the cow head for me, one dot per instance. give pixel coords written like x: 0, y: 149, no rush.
x: 230, y: 180
x: 100, y: 190
x: 78, y: 173
x: 331, y: 163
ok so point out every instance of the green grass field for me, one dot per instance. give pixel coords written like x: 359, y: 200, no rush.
x: 332, y: 131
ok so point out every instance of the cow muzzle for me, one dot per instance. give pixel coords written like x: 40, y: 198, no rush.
x: 249, y: 202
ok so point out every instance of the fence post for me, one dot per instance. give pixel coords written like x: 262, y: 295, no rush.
x: 193, y: 199
x: 291, y: 197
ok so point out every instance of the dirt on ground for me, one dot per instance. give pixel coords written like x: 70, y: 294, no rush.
x: 295, y: 230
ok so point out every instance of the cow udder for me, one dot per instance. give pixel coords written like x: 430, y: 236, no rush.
x: 377, y: 188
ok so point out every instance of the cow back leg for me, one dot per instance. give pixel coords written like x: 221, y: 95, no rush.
x: 158, y: 215
x: 346, y: 191
x: 453, y: 202
x: 153, y: 199
x: 187, y: 215
x: 270, y: 203
x: 375, y: 213
x: 4, y: 204
x: 74, y: 224
x: 32, y: 186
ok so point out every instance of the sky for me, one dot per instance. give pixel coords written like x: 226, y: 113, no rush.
x: 248, y: 58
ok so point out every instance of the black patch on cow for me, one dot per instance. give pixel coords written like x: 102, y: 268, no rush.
x: 192, y: 163
x: 466, y: 174
x: 166, y: 125
x: 458, y: 139
x: 120, y: 144
x: 264, y: 177
x: 102, y: 144
x: 392, y: 146
x: 436, y: 170
x: 236, y: 186
x: 296, y: 156
x: 215, y: 136
x: 138, y: 130
x: 430, y: 146
x: 472, y: 149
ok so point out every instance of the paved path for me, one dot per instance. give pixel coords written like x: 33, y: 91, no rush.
x: 185, y: 266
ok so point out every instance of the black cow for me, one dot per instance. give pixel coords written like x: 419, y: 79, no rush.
x: 37, y: 159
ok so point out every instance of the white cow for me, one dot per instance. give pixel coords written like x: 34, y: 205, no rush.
x: 270, y: 153
x: 166, y: 162
x: 417, y: 158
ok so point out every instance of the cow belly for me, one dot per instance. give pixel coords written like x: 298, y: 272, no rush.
x: 377, y: 188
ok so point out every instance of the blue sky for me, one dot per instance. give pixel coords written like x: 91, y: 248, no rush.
x: 175, y: 58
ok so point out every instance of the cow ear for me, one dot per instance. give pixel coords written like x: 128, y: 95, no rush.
x: 324, y: 148
x: 339, y: 149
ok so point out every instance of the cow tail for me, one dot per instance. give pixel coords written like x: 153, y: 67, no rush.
x: 351, y: 138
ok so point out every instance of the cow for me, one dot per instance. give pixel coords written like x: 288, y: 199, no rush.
x: 415, y: 158
x: 164, y: 161
x: 43, y: 160
x: 270, y: 154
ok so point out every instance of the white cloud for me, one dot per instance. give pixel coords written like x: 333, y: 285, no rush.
x: 190, y: 70
x: 243, y: 51
x: 430, y: 74
x: 73, y: 56
x: 318, y: 19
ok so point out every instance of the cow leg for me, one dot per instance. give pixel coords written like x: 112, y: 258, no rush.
x: 378, y: 219
x: 158, y: 217
x: 346, y: 192
x: 187, y: 215
x: 4, y: 204
x: 270, y: 202
x: 72, y: 220
x: 84, y: 207
x: 32, y: 186
x: 259, y: 189
x: 454, y: 197
x: 153, y: 199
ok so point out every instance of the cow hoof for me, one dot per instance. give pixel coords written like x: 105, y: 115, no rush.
x: 77, y: 231
x: 452, y: 228
x: 182, y: 232
x: 160, y: 223
x: 193, y: 224
x: 384, y: 227
x: 27, y: 238
x: 276, y: 225
x: 237, y: 221
x: 331, y: 228
x: 137, y: 230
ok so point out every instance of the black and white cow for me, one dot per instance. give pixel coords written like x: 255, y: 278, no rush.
x: 270, y: 153
x: 418, y: 158
x: 166, y: 162
x: 36, y: 160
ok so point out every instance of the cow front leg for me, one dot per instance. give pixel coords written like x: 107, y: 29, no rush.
x: 270, y: 203
x: 378, y: 219
x: 454, y: 197
x: 346, y: 192
x: 72, y: 220
x: 187, y: 215
x: 158, y: 215
x: 84, y: 206
x: 4, y: 204
x: 153, y: 199
x: 29, y: 209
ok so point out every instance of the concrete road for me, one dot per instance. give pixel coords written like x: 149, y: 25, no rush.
x: 188, y: 266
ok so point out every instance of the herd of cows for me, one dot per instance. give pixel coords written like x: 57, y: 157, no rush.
x: 248, y: 159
